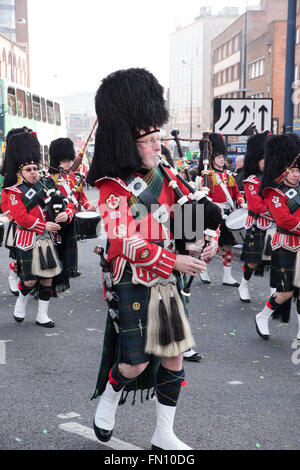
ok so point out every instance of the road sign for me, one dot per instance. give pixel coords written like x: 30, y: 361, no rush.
x: 236, y: 116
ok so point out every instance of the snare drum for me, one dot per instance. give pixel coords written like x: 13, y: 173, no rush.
x: 1, y: 233
x: 235, y: 222
x: 87, y: 225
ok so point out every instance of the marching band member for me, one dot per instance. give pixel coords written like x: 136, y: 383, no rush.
x: 152, y: 332
x: 62, y: 155
x: 226, y: 195
x: 259, y: 219
x: 280, y: 188
x: 13, y: 279
x: 25, y: 204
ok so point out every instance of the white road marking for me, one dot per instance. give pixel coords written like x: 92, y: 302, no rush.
x: 69, y: 415
x: 88, y: 433
x: 3, y: 351
x: 235, y: 382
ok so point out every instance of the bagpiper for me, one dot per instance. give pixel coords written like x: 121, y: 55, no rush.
x: 225, y: 193
x: 62, y: 156
x: 147, y: 330
x: 259, y: 222
x: 26, y: 204
x: 280, y: 188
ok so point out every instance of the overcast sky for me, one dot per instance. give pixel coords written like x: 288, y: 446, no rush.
x: 75, y: 43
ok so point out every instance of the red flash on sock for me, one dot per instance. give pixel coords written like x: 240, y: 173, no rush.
x: 111, y: 379
x: 183, y: 383
x: 269, y: 305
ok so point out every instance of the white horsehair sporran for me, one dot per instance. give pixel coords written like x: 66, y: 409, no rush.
x: 44, y: 251
x: 168, y: 329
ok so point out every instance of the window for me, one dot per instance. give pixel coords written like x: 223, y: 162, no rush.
x: 46, y: 154
x: 223, y: 77
x: 256, y: 69
x: 11, y: 101
x: 21, y: 103
x: 36, y: 107
x: 29, y: 107
x: 235, y: 72
x: 50, y: 112
x: 224, y: 51
x: 44, y: 117
x: 236, y: 43
x: 229, y: 74
x: 57, y: 114
x: 230, y: 47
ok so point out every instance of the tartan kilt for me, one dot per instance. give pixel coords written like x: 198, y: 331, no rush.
x: 226, y: 237
x: 282, y: 270
x: 24, y: 260
x: 253, y: 247
x: 129, y: 345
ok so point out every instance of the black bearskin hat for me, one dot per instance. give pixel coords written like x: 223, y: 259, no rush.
x: 59, y: 150
x: 280, y: 153
x: 24, y: 149
x: 16, y: 130
x: 218, y: 144
x: 254, y: 153
x: 126, y: 101
x: 218, y: 148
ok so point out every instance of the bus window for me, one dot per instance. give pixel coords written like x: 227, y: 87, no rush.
x: 44, y: 118
x: 57, y: 114
x: 46, y: 154
x: 29, y: 108
x: 11, y: 101
x: 21, y: 105
x: 36, y: 107
x: 50, y: 112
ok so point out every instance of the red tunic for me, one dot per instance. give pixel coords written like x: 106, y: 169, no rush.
x: 132, y: 240
x: 256, y: 204
x: 277, y: 205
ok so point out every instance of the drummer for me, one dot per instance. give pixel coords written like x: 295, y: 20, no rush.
x: 226, y: 195
x: 259, y: 219
x: 62, y: 155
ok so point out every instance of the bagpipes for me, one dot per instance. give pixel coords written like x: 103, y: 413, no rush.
x: 213, y: 216
x: 78, y: 160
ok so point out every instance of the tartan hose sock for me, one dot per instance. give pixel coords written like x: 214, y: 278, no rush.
x: 116, y: 379
x: 247, y: 272
x: 45, y: 292
x: 168, y: 386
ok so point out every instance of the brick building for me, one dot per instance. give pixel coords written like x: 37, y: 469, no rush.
x: 249, y: 57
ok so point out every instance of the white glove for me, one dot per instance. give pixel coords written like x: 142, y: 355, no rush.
x: 244, y: 205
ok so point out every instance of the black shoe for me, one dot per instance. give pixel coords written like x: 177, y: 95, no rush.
x: 49, y: 324
x: 14, y: 292
x: 18, y: 319
x: 102, y: 434
x: 236, y: 284
x: 193, y: 358
x: 155, y: 447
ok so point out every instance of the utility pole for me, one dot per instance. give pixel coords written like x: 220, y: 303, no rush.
x: 289, y: 67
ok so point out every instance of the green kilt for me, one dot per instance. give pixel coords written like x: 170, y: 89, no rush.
x: 283, y: 269
x: 253, y: 247
x: 129, y: 345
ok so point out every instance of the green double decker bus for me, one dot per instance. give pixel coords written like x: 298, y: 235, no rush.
x: 20, y: 106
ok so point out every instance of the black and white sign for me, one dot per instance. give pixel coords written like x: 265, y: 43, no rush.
x: 236, y: 116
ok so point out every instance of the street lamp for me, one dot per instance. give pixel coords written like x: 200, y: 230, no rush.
x: 18, y: 21
x: 191, y: 95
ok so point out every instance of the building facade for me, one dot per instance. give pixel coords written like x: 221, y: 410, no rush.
x: 190, y: 71
x: 14, y: 46
x: 249, y: 57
